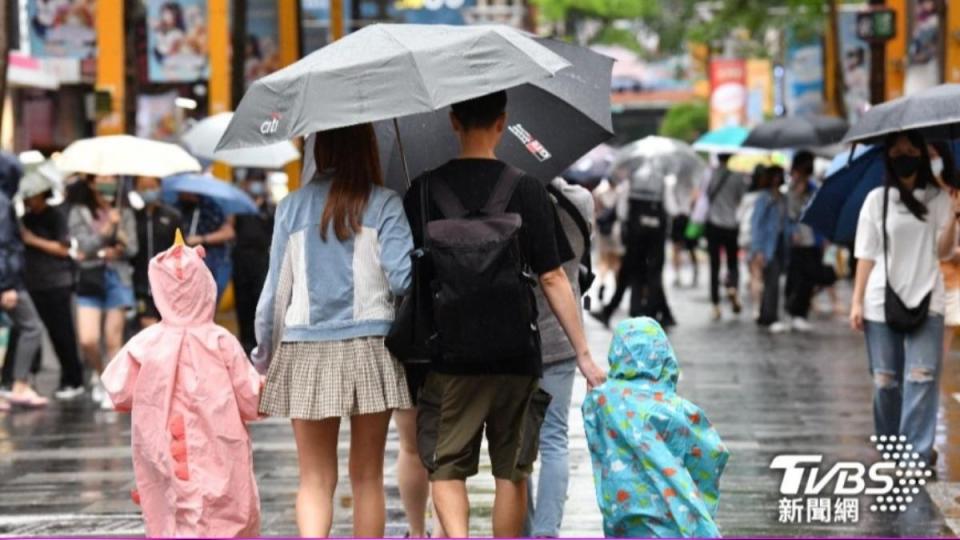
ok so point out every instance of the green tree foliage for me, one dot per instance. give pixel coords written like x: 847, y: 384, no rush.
x: 686, y: 121
x: 607, y: 10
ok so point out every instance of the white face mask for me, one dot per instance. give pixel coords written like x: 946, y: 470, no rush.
x: 936, y: 165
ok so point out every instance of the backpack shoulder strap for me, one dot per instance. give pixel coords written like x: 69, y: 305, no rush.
x: 503, y: 191
x: 571, y: 210
x: 448, y: 202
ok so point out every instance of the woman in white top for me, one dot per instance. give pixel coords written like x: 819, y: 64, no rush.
x: 921, y: 229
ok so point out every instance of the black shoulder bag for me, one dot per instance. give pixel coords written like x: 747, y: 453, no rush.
x: 899, y: 317
x: 411, y: 334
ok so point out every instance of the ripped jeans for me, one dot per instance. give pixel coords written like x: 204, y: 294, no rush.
x: 906, y: 377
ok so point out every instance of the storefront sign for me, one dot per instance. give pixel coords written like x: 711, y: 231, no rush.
x: 177, y: 40
x: 61, y: 28
x: 728, y: 92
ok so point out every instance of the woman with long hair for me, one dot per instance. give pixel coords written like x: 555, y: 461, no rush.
x: 339, y: 256
x: 905, y: 228
x: 106, y: 241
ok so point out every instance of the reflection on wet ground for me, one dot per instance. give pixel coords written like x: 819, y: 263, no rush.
x: 67, y: 471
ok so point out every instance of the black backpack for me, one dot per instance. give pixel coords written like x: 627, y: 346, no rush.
x: 484, y: 308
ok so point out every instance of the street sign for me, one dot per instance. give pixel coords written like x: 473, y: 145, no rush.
x: 877, y: 25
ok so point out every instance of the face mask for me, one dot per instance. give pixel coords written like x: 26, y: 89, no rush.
x: 150, y: 196
x: 906, y: 166
x: 256, y: 189
x: 936, y: 165
x: 107, y: 190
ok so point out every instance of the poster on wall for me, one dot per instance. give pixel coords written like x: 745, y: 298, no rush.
x: 803, y: 77
x: 177, y: 40
x: 759, y: 91
x: 158, y: 116
x: 923, y: 58
x: 62, y: 28
x: 263, y: 40
x: 855, y: 55
x: 728, y: 92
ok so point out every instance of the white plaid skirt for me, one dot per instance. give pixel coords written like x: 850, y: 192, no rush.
x: 334, y: 379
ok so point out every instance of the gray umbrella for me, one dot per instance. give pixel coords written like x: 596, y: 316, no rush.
x: 797, y: 132
x: 386, y: 71
x: 651, y: 162
x: 551, y: 123
x: 935, y: 112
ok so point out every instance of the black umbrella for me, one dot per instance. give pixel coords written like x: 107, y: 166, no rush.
x: 551, y: 123
x: 797, y: 132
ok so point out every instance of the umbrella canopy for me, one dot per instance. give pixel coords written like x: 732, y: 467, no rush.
x: 551, y: 123
x: 797, y: 132
x: 935, y: 112
x: 835, y: 208
x: 202, y: 139
x: 726, y: 140
x: 231, y: 199
x: 386, y: 71
x: 113, y: 155
x: 589, y: 170
x: 651, y: 162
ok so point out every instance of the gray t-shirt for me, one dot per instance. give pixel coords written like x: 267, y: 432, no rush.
x: 725, y: 201
x: 554, y: 343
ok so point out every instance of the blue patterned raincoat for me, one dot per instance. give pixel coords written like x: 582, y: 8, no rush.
x: 657, y: 460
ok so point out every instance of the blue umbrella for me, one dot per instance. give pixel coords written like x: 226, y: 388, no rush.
x: 835, y: 207
x: 721, y: 141
x: 231, y: 199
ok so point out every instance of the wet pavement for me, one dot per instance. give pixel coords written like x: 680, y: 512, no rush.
x: 67, y: 471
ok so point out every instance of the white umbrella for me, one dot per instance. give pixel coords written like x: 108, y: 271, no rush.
x: 202, y: 139
x: 126, y: 155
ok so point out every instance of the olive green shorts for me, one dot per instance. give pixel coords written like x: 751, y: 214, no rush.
x: 454, y: 410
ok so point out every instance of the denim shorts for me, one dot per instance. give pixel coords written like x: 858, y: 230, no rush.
x: 116, y: 295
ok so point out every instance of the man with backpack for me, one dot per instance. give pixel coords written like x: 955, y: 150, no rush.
x: 490, y: 235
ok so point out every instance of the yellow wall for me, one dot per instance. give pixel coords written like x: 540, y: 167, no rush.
x: 288, y: 19
x: 220, y: 100
x: 897, y: 50
x: 952, y: 72
x: 110, y: 64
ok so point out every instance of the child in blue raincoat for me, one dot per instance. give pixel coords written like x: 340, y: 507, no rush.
x: 657, y: 460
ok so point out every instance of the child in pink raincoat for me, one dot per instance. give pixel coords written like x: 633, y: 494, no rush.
x: 190, y: 388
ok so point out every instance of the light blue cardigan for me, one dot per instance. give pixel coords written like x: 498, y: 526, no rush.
x: 330, y: 290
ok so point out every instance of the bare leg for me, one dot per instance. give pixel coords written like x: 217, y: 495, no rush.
x: 368, y: 437
x: 450, y: 496
x: 509, y: 508
x: 113, y: 332
x: 412, y: 477
x: 317, y: 454
x: 88, y: 333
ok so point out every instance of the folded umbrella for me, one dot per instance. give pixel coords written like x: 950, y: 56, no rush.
x: 835, y: 208
x: 551, y: 122
x: 113, y: 155
x: 793, y: 132
x: 935, y: 112
x: 231, y: 199
x: 202, y: 139
x: 386, y: 71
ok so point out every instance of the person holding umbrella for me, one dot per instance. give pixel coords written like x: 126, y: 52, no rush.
x: 50, y: 277
x: 905, y: 228
x: 157, y: 224
x: 106, y: 240
x: 250, y: 267
x: 209, y: 226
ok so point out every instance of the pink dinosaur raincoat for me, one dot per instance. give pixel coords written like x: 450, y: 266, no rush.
x: 190, y: 388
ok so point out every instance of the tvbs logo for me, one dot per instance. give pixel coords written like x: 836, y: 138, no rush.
x: 892, y: 482
x: 272, y: 125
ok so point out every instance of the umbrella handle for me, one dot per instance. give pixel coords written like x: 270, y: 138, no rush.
x: 403, y: 156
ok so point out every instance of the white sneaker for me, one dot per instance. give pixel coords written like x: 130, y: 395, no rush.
x: 802, y: 325
x: 68, y: 392
x: 97, y: 393
x: 779, y: 328
x: 106, y: 403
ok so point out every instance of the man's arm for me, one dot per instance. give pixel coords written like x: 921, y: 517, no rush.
x: 556, y: 288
